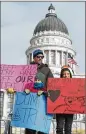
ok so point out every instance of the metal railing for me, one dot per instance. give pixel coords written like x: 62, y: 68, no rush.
x: 7, y: 121
x: 78, y: 127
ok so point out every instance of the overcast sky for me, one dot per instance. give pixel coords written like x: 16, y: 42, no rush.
x: 19, y: 19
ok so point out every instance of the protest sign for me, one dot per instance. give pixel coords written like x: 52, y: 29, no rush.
x: 17, y: 76
x: 66, y: 95
x: 30, y: 112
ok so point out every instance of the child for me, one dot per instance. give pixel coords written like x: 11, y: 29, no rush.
x: 64, y: 121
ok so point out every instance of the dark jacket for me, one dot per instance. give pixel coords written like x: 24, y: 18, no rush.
x: 43, y: 73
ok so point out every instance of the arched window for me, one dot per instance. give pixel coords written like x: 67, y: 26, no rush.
x: 53, y: 57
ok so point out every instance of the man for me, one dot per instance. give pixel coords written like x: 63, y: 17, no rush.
x: 43, y: 73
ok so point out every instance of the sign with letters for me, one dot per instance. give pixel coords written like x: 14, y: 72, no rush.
x: 66, y: 95
x: 30, y: 112
x: 17, y: 76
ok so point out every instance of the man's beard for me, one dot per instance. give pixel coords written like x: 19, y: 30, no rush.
x: 40, y: 62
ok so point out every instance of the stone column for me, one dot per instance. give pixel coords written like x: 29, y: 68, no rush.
x: 66, y: 58
x: 62, y: 58
x: 5, y: 104
x: 44, y: 56
x: 32, y: 56
x: 49, y: 57
x: 56, y: 57
x: 28, y: 59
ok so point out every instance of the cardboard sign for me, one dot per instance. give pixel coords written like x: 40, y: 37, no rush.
x: 17, y: 76
x: 30, y: 112
x: 66, y: 95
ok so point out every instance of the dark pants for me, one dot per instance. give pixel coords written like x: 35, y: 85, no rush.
x: 64, y: 122
x: 29, y: 131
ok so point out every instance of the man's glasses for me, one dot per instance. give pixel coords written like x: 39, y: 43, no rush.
x: 40, y: 57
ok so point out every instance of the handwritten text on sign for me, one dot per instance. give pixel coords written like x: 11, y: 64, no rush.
x: 30, y: 112
x: 66, y: 95
x: 16, y: 76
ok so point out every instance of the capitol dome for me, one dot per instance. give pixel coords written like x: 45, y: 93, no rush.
x: 51, y: 22
x: 52, y: 37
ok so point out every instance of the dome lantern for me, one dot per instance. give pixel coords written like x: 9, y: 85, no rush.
x: 51, y: 9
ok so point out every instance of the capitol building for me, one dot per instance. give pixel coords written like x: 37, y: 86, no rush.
x: 52, y: 36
